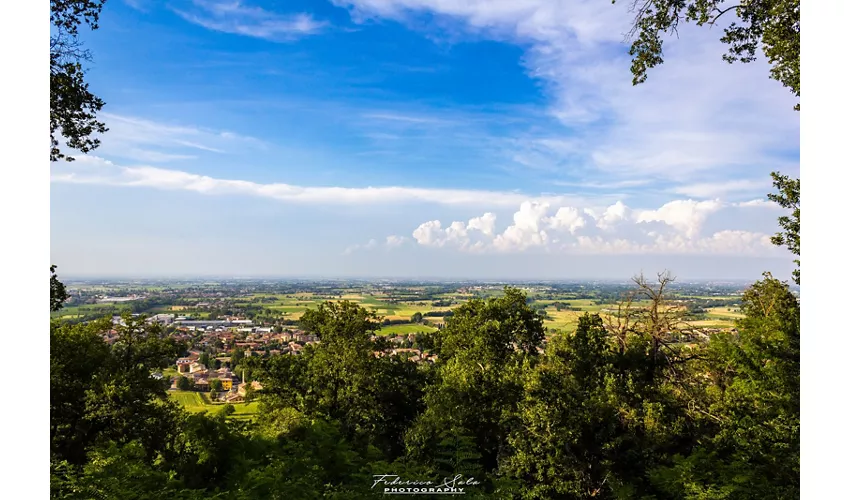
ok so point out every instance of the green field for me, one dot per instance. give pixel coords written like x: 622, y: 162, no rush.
x: 197, y: 402
x: 294, y: 305
x: 70, y: 312
x: 405, y: 329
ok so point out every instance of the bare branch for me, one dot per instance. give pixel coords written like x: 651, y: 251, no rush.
x: 721, y: 12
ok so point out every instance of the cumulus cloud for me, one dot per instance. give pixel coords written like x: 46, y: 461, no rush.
x: 612, y: 215
x: 567, y: 218
x: 673, y: 228
x: 486, y: 224
x: 467, y: 236
x: 685, y: 215
x: 395, y: 241
x: 372, y: 243
x: 528, y: 229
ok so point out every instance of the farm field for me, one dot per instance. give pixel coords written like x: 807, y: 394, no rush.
x: 197, y: 402
x: 725, y: 313
x: 71, y: 312
x: 405, y: 329
x: 566, y: 320
x: 293, y: 306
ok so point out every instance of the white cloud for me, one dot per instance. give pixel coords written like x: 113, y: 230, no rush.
x: 372, y: 243
x: 685, y: 215
x: 486, y: 223
x: 696, y: 113
x: 465, y: 236
x: 430, y: 233
x: 612, y: 216
x: 568, y: 218
x: 528, y: 229
x: 237, y: 18
x: 96, y: 170
x: 674, y: 228
x: 144, y: 140
x: 716, y: 189
x: 395, y: 241
x: 759, y: 203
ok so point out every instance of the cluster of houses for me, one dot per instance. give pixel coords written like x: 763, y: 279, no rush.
x: 233, y: 388
x: 254, y: 340
x: 411, y: 353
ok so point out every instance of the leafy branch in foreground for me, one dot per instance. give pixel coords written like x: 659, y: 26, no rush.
x: 773, y: 25
x: 73, y: 107
x: 788, y: 197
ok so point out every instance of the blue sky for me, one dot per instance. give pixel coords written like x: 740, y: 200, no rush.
x: 421, y: 138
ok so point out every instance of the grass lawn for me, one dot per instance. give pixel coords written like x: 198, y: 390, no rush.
x: 190, y: 400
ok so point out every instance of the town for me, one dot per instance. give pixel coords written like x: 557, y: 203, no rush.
x: 224, y: 323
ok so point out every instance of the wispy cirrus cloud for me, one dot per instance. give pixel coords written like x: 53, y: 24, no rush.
x: 144, y: 140
x: 695, y: 116
x: 723, y: 188
x: 237, y: 18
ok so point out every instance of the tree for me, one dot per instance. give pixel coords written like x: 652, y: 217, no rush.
x: 250, y: 393
x: 237, y: 356
x: 215, y: 385
x: 484, y: 350
x: 58, y: 295
x: 746, y: 419
x: 204, y: 359
x: 183, y: 383
x: 416, y: 318
x: 773, y: 25
x: 100, y: 392
x: 73, y: 107
x: 788, y: 197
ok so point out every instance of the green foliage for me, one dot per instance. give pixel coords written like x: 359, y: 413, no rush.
x: 215, y: 385
x: 58, y: 295
x: 373, y: 399
x: 72, y: 106
x: 456, y: 453
x: 773, y: 25
x: 100, y: 392
x: 484, y: 351
x: 489, y: 331
x: 749, y: 415
x: 607, y: 412
x: 183, y: 383
x: 591, y: 426
x: 788, y: 197
x: 236, y: 357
